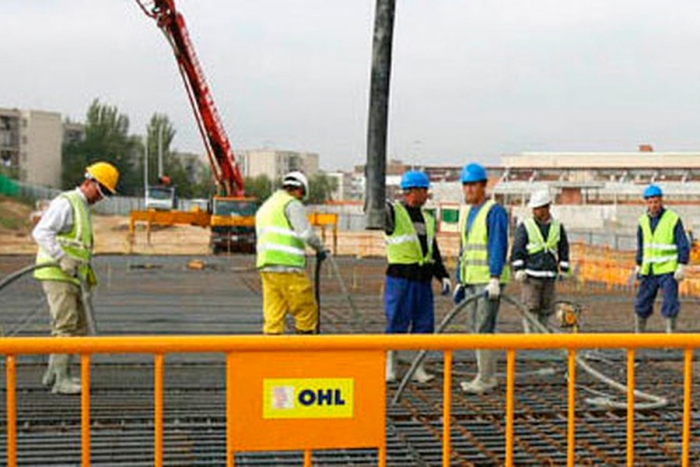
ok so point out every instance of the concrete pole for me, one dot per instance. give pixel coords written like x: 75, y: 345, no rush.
x: 375, y: 172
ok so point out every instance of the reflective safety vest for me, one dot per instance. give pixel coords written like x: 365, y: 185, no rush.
x: 77, y: 244
x: 660, y: 255
x: 403, y: 245
x: 277, y: 242
x: 535, y: 241
x: 474, y: 263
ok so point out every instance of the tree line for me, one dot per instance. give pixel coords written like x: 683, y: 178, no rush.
x: 107, y: 137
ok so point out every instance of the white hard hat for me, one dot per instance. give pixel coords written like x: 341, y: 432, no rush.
x: 539, y: 199
x: 296, y: 179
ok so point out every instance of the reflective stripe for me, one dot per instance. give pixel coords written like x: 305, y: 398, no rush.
x: 659, y: 259
x: 401, y: 239
x: 518, y: 262
x: 563, y: 264
x: 278, y: 230
x: 533, y: 273
x: 473, y: 247
x: 283, y: 248
x: 661, y: 246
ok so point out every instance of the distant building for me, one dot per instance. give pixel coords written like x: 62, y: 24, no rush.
x: 275, y: 163
x: 30, y: 145
x: 344, y: 186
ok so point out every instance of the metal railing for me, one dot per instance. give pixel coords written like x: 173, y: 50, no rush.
x: 159, y: 346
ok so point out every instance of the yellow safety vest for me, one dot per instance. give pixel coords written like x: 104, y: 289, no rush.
x: 535, y: 241
x: 403, y: 245
x: 277, y: 242
x: 474, y: 263
x: 77, y: 243
x: 660, y: 255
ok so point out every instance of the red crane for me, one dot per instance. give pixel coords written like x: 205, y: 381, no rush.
x: 217, y: 144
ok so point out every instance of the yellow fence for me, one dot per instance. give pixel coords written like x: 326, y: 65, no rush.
x: 230, y: 345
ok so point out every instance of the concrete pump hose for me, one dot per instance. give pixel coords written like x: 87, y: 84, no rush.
x: 654, y: 402
x: 357, y: 318
x: 84, y: 292
x: 420, y: 356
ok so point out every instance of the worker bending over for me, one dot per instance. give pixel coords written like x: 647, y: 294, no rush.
x: 414, y: 259
x: 64, y: 235
x: 662, y: 255
x: 540, y: 254
x: 481, y: 269
x: 283, y: 231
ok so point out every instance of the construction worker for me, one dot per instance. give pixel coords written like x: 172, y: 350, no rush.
x: 481, y: 269
x: 283, y: 230
x: 540, y: 254
x: 662, y: 256
x: 414, y: 259
x: 64, y: 236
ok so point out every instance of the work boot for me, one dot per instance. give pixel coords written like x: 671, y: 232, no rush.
x: 390, y: 366
x: 422, y: 376
x: 63, y: 384
x: 485, y: 379
x: 640, y: 324
x: 50, y: 374
x: 670, y: 325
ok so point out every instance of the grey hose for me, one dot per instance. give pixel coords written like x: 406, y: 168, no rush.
x: 356, y: 317
x: 85, y: 294
x: 605, y: 401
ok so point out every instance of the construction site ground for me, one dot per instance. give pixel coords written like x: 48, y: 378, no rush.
x: 166, y: 295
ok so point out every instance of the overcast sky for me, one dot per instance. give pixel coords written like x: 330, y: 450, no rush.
x: 471, y: 80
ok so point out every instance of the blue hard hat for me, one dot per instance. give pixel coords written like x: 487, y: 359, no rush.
x: 652, y: 191
x: 414, y: 179
x: 473, y: 172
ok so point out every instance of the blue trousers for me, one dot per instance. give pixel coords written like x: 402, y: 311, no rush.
x: 648, y: 287
x: 408, y: 306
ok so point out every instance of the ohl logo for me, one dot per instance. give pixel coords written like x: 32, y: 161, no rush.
x: 308, y: 398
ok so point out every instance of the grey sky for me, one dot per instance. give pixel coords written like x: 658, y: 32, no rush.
x: 471, y: 79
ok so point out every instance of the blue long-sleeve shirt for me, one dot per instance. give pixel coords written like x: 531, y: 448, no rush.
x: 679, y: 239
x: 496, y: 238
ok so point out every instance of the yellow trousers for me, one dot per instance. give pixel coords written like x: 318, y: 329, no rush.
x: 288, y: 292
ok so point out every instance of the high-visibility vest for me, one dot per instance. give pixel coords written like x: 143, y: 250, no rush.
x: 474, y: 263
x: 77, y: 244
x: 277, y: 242
x: 535, y: 241
x: 403, y: 245
x: 660, y: 255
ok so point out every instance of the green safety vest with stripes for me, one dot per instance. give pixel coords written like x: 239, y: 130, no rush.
x: 535, y: 241
x: 403, y: 245
x: 77, y: 244
x: 660, y: 255
x: 278, y: 244
x: 474, y: 262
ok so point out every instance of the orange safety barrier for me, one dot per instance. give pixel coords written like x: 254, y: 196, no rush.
x: 302, y: 345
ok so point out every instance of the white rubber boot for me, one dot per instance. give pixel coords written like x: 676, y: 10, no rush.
x: 640, y: 324
x: 485, y: 379
x: 670, y: 325
x: 50, y: 374
x: 390, y: 367
x: 422, y: 376
x: 63, y: 384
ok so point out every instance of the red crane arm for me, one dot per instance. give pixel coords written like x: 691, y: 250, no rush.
x: 216, y: 142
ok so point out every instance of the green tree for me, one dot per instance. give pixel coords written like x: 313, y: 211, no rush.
x: 321, y: 188
x: 106, y: 138
x: 259, y: 187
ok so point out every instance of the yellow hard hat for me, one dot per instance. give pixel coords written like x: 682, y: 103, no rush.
x: 105, y: 174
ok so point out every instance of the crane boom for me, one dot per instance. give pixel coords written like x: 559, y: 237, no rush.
x: 216, y: 142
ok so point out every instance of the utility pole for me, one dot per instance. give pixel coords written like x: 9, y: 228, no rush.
x: 375, y: 170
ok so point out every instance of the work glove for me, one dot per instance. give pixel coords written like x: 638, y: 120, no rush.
x: 520, y: 275
x: 446, y: 286
x: 679, y: 275
x: 69, y: 265
x: 321, y: 255
x: 637, y: 271
x: 459, y: 294
x: 493, y: 289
